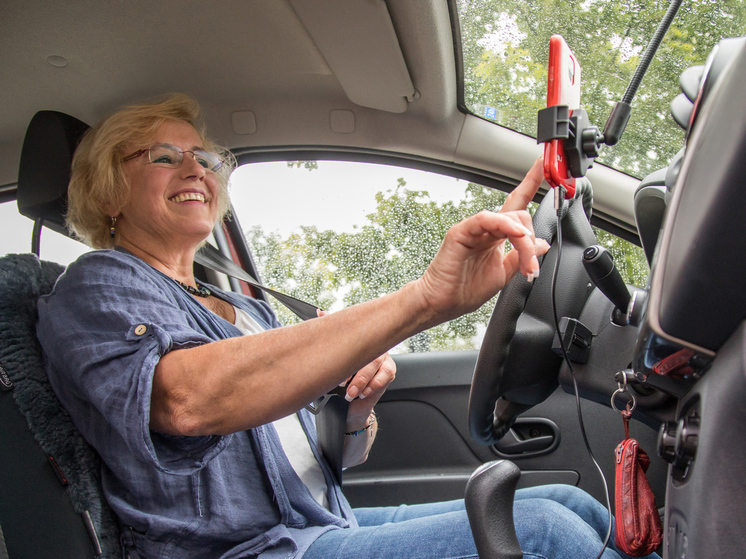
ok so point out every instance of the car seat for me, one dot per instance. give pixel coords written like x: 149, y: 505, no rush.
x: 51, y: 500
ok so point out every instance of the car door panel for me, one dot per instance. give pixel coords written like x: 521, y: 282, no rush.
x: 424, y: 452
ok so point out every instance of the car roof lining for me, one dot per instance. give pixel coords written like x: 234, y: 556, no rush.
x: 227, y: 55
x: 231, y: 56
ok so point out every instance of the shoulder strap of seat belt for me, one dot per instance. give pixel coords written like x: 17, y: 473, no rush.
x: 331, y: 410
x: 212, y: 258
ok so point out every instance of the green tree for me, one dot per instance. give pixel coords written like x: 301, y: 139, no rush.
x: 308, y: 165
x: 393, y: 247
x: 505, y: 50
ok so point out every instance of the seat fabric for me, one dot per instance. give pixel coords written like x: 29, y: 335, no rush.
x: 23, y: 278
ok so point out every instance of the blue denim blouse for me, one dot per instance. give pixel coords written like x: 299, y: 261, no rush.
x: 104, y: 327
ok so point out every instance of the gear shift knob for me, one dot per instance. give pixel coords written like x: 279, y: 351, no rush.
x: 489, y: 506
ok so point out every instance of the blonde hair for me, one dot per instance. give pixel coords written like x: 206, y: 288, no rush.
x: 98, y: 184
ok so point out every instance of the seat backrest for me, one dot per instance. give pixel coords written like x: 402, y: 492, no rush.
x: 36, y: 516
x: 51, y: 501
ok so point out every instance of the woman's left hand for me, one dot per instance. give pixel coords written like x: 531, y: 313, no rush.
x: 368, y: 385
x: 363, y: 392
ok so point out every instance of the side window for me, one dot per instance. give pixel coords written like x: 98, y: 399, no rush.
x: 341, y: 233
x: 15, y: 237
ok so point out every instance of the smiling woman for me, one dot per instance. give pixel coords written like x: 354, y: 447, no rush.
x: 171, y: 202
x: 450, y: 86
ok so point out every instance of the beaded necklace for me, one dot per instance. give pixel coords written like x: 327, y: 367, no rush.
x: 199, y: 291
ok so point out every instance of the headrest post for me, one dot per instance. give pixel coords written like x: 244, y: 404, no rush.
x: 36, y: 236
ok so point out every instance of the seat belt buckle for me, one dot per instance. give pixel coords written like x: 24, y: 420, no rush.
x: 317, y: 405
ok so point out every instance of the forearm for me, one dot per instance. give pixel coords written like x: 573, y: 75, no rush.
x: 358, y: 440
x: 240, y: 383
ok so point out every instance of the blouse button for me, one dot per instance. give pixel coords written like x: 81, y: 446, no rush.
x: 140, y: 329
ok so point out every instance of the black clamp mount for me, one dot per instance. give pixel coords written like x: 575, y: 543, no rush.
x: 582, y: 140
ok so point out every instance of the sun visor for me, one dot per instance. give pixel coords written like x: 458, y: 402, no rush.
x: 358, y: 41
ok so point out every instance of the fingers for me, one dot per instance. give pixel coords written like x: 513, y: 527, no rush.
x: 512, y: 263
x: 527, y: 261
x: 525, y: 247
x: 517, y: 228
x: 373, y: 379
x: 522, y: 194
x: 501, y: 225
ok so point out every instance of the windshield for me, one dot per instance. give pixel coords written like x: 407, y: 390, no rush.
x: 506, y: 46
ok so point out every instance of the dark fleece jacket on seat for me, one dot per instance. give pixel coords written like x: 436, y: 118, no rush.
x: 23, y: 278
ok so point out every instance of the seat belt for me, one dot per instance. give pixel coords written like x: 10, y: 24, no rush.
x: 331, y: 409
x: 212, y: 258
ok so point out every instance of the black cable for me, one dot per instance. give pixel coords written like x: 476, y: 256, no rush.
x: 560, y: 199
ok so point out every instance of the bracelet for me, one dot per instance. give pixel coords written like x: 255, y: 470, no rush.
x: 372, y: 418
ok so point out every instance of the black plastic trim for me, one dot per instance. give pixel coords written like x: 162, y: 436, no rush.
x: 458, y: 56
x: 8, y: 192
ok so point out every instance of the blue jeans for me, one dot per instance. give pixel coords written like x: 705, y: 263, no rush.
x: 551, y: 521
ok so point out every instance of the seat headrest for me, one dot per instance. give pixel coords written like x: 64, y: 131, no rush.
x: 44, y: 173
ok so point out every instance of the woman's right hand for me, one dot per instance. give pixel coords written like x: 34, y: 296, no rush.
x: 471, y: 265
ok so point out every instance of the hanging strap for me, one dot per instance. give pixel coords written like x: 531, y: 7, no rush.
x: 212, y: 258
x: 330, y: 409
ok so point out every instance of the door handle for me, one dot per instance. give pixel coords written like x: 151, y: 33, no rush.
x: 529, y: 436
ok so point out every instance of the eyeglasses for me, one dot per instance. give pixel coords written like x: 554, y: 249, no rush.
x: 167, y: 155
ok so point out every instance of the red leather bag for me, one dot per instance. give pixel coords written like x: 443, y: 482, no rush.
x: 638, y: 525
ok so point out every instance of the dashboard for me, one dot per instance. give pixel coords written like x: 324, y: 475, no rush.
x: 692, y: 337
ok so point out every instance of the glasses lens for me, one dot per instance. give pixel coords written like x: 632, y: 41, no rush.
x: 171, y: 156
x: 210, y: 161
x: 163, y: 154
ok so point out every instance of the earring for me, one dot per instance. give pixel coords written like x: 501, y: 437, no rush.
x: 112, y: 227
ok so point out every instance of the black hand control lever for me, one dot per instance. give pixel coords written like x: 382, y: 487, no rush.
x: 599, y: 264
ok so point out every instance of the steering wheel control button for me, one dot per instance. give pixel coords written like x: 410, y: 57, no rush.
x: 667, y: 441
x: 590, y: 253
x: 678, y: 442
x: 140, y: 329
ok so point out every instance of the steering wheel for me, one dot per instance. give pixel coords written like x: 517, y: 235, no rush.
x: 516, y: 368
